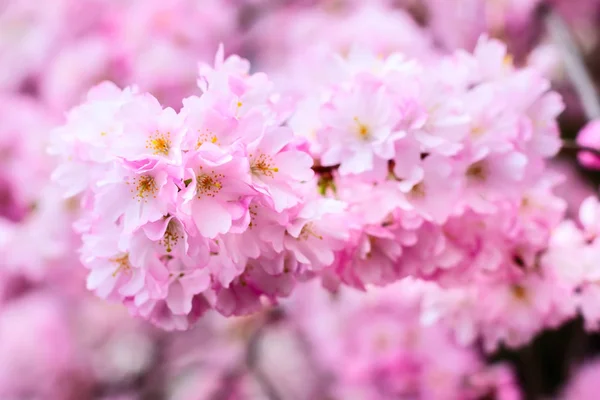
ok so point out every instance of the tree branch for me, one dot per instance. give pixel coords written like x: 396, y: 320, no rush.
x: 252, y: 356
x: 250, y: 364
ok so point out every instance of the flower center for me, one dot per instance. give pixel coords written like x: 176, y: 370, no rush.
x: 308, y: 231
x: 477, y: 131
x: 477, y: 172
x: 159, y: 143
x: 208, y: 184
x: 418, y: 190
x: 519, y: 292
x: 145, y: 186
x: 363, y: 130
x: 205, y: 137
x: 263, y: 165
x: 123, y: 264
x: 171, y: 236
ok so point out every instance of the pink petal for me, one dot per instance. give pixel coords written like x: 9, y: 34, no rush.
x: 296, y: 164
x: 210, y: 217
x: 177, y: 300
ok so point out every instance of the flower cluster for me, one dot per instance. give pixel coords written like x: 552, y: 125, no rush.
x: 572, y: 255
x: 442, y: 166
x: 212, y: 206
x: 433, y: 171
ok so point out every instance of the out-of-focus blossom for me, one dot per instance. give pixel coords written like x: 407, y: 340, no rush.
x: 589, y: 136
x: 584, y: 383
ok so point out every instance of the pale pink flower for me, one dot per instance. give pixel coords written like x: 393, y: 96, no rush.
x: 315, y: 232
x: 83, y: 143
x: 184, y: 284
x: 490, y: 177
x: 140, y: 192
x: 150, y: 131
x: 438, y: 189
x: 375, y: 260
x: 359, y: 126
x: 218, y: 191
x: 112, y: 271
x: 583, y: 385
x: 278, y: 170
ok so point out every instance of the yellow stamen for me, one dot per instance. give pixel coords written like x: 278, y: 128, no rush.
x: 363, y: 130
x: 123, y: 264
x: 159, y: 143
x: 204, y: 137
x: 263, y: 165
x: 208, y: 184
x: 171, y: 236
x: 308, y: 231
x: 145, y: 186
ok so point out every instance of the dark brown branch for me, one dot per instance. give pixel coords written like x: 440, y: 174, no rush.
x: 319, y: 169
x: 573, y: 62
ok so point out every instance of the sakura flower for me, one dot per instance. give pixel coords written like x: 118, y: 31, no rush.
x: 150, y: 132
x: 375, y: 261
x: 140, y: 192
x: 493, y: 121
x: 184, y: 284
x: 83, y: 142
x: 278, y: 170
x: 359, y: 126
x: 315, y: 232
x: 112, y: 273
x: 207, y: 122
x: 160, y: 314
x: 426, y: 196
x: 490, y: 177
x: 248, y: 293
x: 218, y: 192
x: 243, y: 92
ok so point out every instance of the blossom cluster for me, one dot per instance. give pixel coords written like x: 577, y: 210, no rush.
x: 421, y: 152
x: 212, y: 206
x: 433, y: 170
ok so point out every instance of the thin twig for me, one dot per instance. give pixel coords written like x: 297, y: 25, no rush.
x: 323, y: 378
x: 571, y: 145
x: 573, y: 61
x: 252, y: 356
x: 250, y: 364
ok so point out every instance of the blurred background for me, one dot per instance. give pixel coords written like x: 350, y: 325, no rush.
x: 58, y: 341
